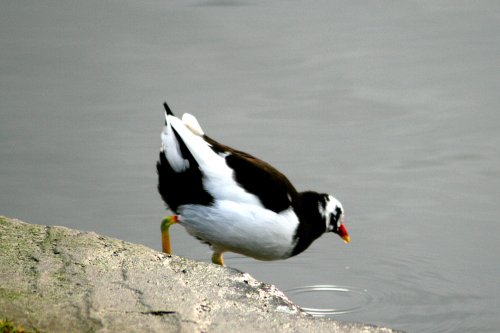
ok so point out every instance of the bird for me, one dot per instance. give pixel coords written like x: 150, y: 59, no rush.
x: 235, y: 202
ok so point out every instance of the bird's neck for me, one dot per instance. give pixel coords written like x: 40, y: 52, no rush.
x: 311, y: 222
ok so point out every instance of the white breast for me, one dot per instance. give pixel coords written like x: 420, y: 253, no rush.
x: 242, y: 228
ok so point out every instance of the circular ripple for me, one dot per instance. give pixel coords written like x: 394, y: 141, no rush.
x: 348, y: 299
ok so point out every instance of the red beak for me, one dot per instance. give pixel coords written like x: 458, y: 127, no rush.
x: 342, y: 232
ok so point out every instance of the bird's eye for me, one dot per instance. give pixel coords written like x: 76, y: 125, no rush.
x: 334, y: 218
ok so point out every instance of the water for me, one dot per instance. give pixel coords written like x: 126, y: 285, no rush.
x: 391, y: 107
x: 345, y: 299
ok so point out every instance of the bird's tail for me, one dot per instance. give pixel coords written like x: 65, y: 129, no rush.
x: 192, y: 123
x: 184, y: 140
x: 170, y: 143
x: 179, y: 174
x: 167, y: 109
x: 188, y: 120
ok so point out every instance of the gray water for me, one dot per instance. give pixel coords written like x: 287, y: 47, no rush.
x: 393, y: 107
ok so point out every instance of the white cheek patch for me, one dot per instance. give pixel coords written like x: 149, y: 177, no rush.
x: 332, y: 207
x: 327, y: 211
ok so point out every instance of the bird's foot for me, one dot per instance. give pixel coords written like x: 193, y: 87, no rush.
x: 165, y: 236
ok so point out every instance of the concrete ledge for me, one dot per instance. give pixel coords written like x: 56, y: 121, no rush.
x: 55, y: 279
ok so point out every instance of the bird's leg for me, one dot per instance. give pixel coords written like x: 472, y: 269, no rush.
x: 165, y: 236
x: 217, y: 258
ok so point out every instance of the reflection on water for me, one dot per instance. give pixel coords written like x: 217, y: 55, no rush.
x: 324, y: 300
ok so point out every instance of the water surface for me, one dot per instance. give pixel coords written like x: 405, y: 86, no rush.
x: 391, y: 107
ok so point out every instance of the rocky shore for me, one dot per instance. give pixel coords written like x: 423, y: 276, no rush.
x: 55, y: 279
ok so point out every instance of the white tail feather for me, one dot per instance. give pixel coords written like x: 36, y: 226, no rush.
x: 171, y: 147
x: 192, y: 123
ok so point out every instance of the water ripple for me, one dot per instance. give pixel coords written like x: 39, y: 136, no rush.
x: 339, y: 299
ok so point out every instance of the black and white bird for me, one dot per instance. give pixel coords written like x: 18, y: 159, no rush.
x: 234, y: 201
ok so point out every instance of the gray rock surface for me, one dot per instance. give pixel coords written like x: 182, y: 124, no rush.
x: 55, y: 279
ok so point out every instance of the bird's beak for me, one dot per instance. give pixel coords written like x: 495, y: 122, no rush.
x: 342, y: 232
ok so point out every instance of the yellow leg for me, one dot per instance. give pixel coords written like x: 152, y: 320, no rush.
x: 165, y: 236
x: 217, y: 258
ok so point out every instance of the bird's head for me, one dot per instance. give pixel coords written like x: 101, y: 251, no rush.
x: 333, y: 215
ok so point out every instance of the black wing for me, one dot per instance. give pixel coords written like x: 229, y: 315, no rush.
x: 274, y: 190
